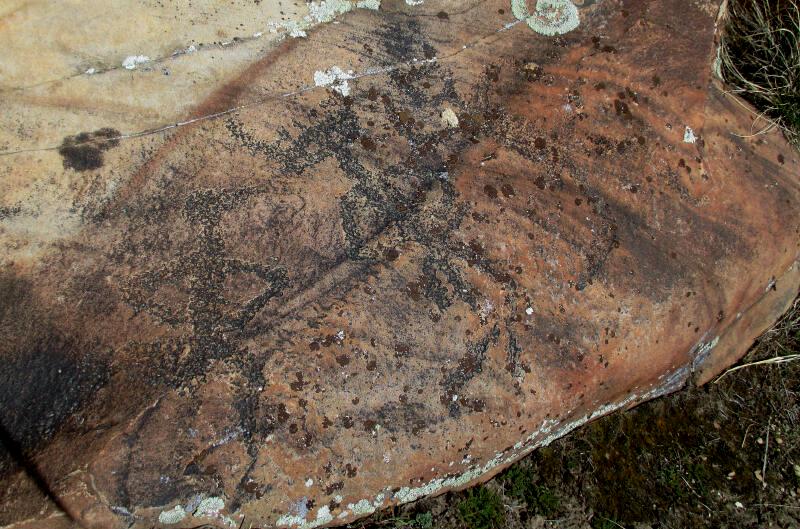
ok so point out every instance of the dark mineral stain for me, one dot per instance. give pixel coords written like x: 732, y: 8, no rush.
x: 368, y: 143
x: 343, y: 360
x: 470, y: 365
x: 84, y: 151
x: 333, y: 487
x: 7, y: 212
x: 622, y: 109
x: 47, y: 375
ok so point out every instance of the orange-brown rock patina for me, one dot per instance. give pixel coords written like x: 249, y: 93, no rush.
x: 334, y: 299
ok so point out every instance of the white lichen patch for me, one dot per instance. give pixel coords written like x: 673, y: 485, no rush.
x: 551, y: 17
x: 318, y: 13
x: 335, y: 78
x: 414, y: 2
x: 209, y: 507
x: 449, y: 118
x: 363, y: 507
x: 295, y: 30
x: 172, y: 516
x: 296, y: 517
x: 327, y: 10
x: 133, y: 61
x: 688, y: 135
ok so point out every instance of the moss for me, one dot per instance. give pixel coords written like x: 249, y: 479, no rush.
x: 521, y: 482
x: 481, y: 508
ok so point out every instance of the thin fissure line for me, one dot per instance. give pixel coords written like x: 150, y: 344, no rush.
x: 369, y: 72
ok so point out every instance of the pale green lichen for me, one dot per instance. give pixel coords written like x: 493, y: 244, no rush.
x: 209, y: 507
x: 319, y: 12
x: 551, y: 17
x: 172, y: 516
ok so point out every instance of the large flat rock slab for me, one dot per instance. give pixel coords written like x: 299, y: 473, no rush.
x: 371, y: 264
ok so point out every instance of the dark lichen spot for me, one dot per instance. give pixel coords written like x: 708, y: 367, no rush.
x: 333, y: 487
x: 84, y: 151
x: 342, y: 360
x: 622, y: 109
x: 368, y: 143
x: 507, y: 190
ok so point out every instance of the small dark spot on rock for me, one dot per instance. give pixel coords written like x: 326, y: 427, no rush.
x: 342, y: 360
x: 368, y: 143
x: 622, y: 108
x: 333, y: 487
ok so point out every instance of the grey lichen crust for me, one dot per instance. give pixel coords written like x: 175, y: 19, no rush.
x: 551, y: 17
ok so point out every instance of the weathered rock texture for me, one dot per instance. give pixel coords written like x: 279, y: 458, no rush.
x: 314, y: 306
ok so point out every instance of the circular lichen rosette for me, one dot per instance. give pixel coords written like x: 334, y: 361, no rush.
x: 551, y: 17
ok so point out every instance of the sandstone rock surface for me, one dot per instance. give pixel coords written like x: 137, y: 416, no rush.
x: 279, y: 281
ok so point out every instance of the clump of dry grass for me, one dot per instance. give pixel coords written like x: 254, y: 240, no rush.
x: 759, y: 56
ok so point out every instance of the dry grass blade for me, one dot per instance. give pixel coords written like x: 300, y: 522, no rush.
x: 780, y: 342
